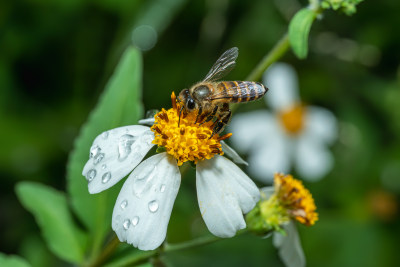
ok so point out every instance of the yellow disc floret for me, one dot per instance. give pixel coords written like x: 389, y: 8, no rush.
x: 293, y: 119
x: 295, y: 198
x: 182, y: 137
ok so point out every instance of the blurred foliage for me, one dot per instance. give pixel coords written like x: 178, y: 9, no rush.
x: 56, y: 57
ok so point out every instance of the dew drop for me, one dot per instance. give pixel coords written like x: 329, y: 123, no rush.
x: 126, y: 224
x: 91, y: 174
x: 99, y: 157
x: 162, y: 188
x: 106, y: 177
x: 135, y: 220
x: 151, y: 113
x: 124, y: 146
x: 104, y: 135
x: 142, y: 183
x: 153, y: 206
x: 148, y: 137
x: 124, y: 204
x: 104, y: 166
x: 94, y: 151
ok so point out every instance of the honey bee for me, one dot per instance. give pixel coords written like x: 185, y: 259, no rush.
x: 211, y: 98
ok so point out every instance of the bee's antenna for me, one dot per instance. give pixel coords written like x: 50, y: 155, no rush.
x: 180, y: 113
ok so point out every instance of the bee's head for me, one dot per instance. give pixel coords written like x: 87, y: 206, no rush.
x: 187, y: 100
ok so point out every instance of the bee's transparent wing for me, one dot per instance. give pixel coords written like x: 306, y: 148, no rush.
x: 223, y: 65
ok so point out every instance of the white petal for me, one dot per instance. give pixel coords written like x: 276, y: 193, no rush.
x: 289, y: 246
x: 148, y: 121
x: 266, y: 192
x: 224, y: 193
x: 321, y: 123
x: 272, y: 155
x: 143, y: 208
x: 249, y: 128
x: 313, y: 160
x: 281, y: 79
x: 114, y: 154
x: 232, y: 154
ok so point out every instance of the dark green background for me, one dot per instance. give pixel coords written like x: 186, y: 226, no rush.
x: 56, y: 57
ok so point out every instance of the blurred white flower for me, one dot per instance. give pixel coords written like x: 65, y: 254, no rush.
x: 289, y: 246
x: 144, y: 205
x: 292, y: 134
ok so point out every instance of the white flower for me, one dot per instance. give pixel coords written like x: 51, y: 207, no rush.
x: 143, y: 207
x: 289, y: 246
x: 293, y: 134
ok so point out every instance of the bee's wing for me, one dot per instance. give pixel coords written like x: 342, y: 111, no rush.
x: 224, y: 64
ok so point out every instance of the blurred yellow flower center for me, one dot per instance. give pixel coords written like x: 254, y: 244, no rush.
x: 188, y: 141
x: 293, y: 119
x: 295, y: 198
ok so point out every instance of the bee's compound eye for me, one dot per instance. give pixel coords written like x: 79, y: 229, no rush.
x: 190, y: 103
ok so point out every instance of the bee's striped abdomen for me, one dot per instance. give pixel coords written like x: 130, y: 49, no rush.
x: 241, y: 91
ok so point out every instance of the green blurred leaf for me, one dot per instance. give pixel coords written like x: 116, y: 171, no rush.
x: 50, y: 209
x: 119, y: 105
x: 12, y: 261
x: 299, y: 28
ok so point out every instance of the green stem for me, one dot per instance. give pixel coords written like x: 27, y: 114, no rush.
x: 273, y: 55
x: 201, y: 241
x: 167, y: 248
x: 107, y: 252
x: 276, y: 53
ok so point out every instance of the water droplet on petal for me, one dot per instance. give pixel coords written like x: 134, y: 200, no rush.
x: 124, y: 146
x: 126, y: 224
x: 124, y: 204
x: 94, y: 151
x: 135, y: 220
x: 91, y: 174
x: 151, y: 113
x: 148, y: 137
x: 104, y: 135
x: 99, y: 157
x: 142, y: 183
x: 106, y: 177
x: 104, y: 166
x: 153, y: 206
x: 162, y: 188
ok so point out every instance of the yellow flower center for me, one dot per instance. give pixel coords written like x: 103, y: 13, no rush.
x: 295, y: 198
x: 293, y: 119
x: 188, y: 141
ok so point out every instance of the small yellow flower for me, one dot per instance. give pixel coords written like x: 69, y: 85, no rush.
x: 185, y: 141
x: 279, y: 204
x: 295, y: 198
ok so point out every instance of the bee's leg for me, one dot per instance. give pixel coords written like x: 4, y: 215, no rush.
x: 198, y: 114
x: 211, y: 116
x: 220, y: 124
x: 180, y: 113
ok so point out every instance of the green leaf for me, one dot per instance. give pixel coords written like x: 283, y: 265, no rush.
x: 119, y: 105
x: 12, y: 261
x: 50, y: 209
x: 299, y: 28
